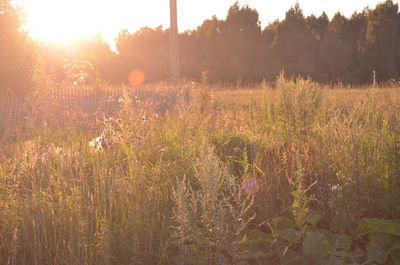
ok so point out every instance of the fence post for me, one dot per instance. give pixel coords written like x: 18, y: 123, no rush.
x: 174, y: 49
x: 2, y: 113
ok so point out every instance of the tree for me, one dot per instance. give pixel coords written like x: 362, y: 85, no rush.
x: 334, y: 54
x: 318, y: 26
x: 147, y: 49
x: 295, y: 44
x: 17, y: 53
x: 235, y: 48
x: 334, y: 58
x: 242, y: 39
x: 382, y: 40
x: 88, y: 50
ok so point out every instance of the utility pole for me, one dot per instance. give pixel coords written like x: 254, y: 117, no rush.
x: 174, y: 45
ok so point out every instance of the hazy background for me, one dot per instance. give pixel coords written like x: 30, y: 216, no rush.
x: 46, y: 17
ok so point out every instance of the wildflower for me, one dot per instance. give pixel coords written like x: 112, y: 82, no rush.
x: 96, y: 143
x: 139, y: 139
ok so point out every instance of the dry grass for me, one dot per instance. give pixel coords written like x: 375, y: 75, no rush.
x: 167, y: 190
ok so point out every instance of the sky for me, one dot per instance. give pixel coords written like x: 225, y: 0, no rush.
x: 63, y: 20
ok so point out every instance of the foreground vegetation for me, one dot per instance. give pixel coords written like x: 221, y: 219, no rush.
x: 171, y: 189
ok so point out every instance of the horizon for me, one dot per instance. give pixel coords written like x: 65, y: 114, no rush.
x: 87, y: 23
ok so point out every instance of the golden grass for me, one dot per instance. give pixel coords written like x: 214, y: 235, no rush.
x: 167, y: 190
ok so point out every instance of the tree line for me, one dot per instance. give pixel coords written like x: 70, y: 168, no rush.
x: 341, y: 49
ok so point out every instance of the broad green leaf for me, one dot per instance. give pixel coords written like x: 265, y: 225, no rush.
x: 358, y: 256
x: 316, y: 247
x: 343, y: 242
x: 257, y: 237
x: 314, y: 217
x: 378, y: 248
x: 375, y: 225
x: 282, y: 223
x: 256, y: 245
x: 338, y: 222
x: 289, y: 234
x: 289, y: 257
x: 257, y: 255
x: 395, y: 254
x: 331, y: 238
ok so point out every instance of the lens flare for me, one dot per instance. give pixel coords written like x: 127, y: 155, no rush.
x: 250, y: 185
x: 136, y: 77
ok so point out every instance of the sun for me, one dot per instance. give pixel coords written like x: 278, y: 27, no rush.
x: 65, y: 20
x: 61, y: 20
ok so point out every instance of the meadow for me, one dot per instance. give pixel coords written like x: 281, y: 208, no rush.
x: 295, y: 174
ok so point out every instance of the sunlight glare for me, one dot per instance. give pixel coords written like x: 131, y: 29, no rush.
x: 57, y: 20
x: 64, y: 21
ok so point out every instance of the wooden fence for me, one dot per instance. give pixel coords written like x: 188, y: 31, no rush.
x: 12, y: 110
x: 16, y: 112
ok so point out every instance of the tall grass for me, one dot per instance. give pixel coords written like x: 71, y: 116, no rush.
x: 167, y: 189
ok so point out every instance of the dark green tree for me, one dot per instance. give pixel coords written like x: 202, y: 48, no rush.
x: 235, y: 48
x: 209, y: 47
x: 242, y: 37
x: 382, y: 40
x: 334, y: 56
x: 318, y: 25
x: 147, y: 49
x: 295, y: 44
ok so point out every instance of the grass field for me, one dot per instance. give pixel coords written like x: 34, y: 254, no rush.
x: 291, y: 175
